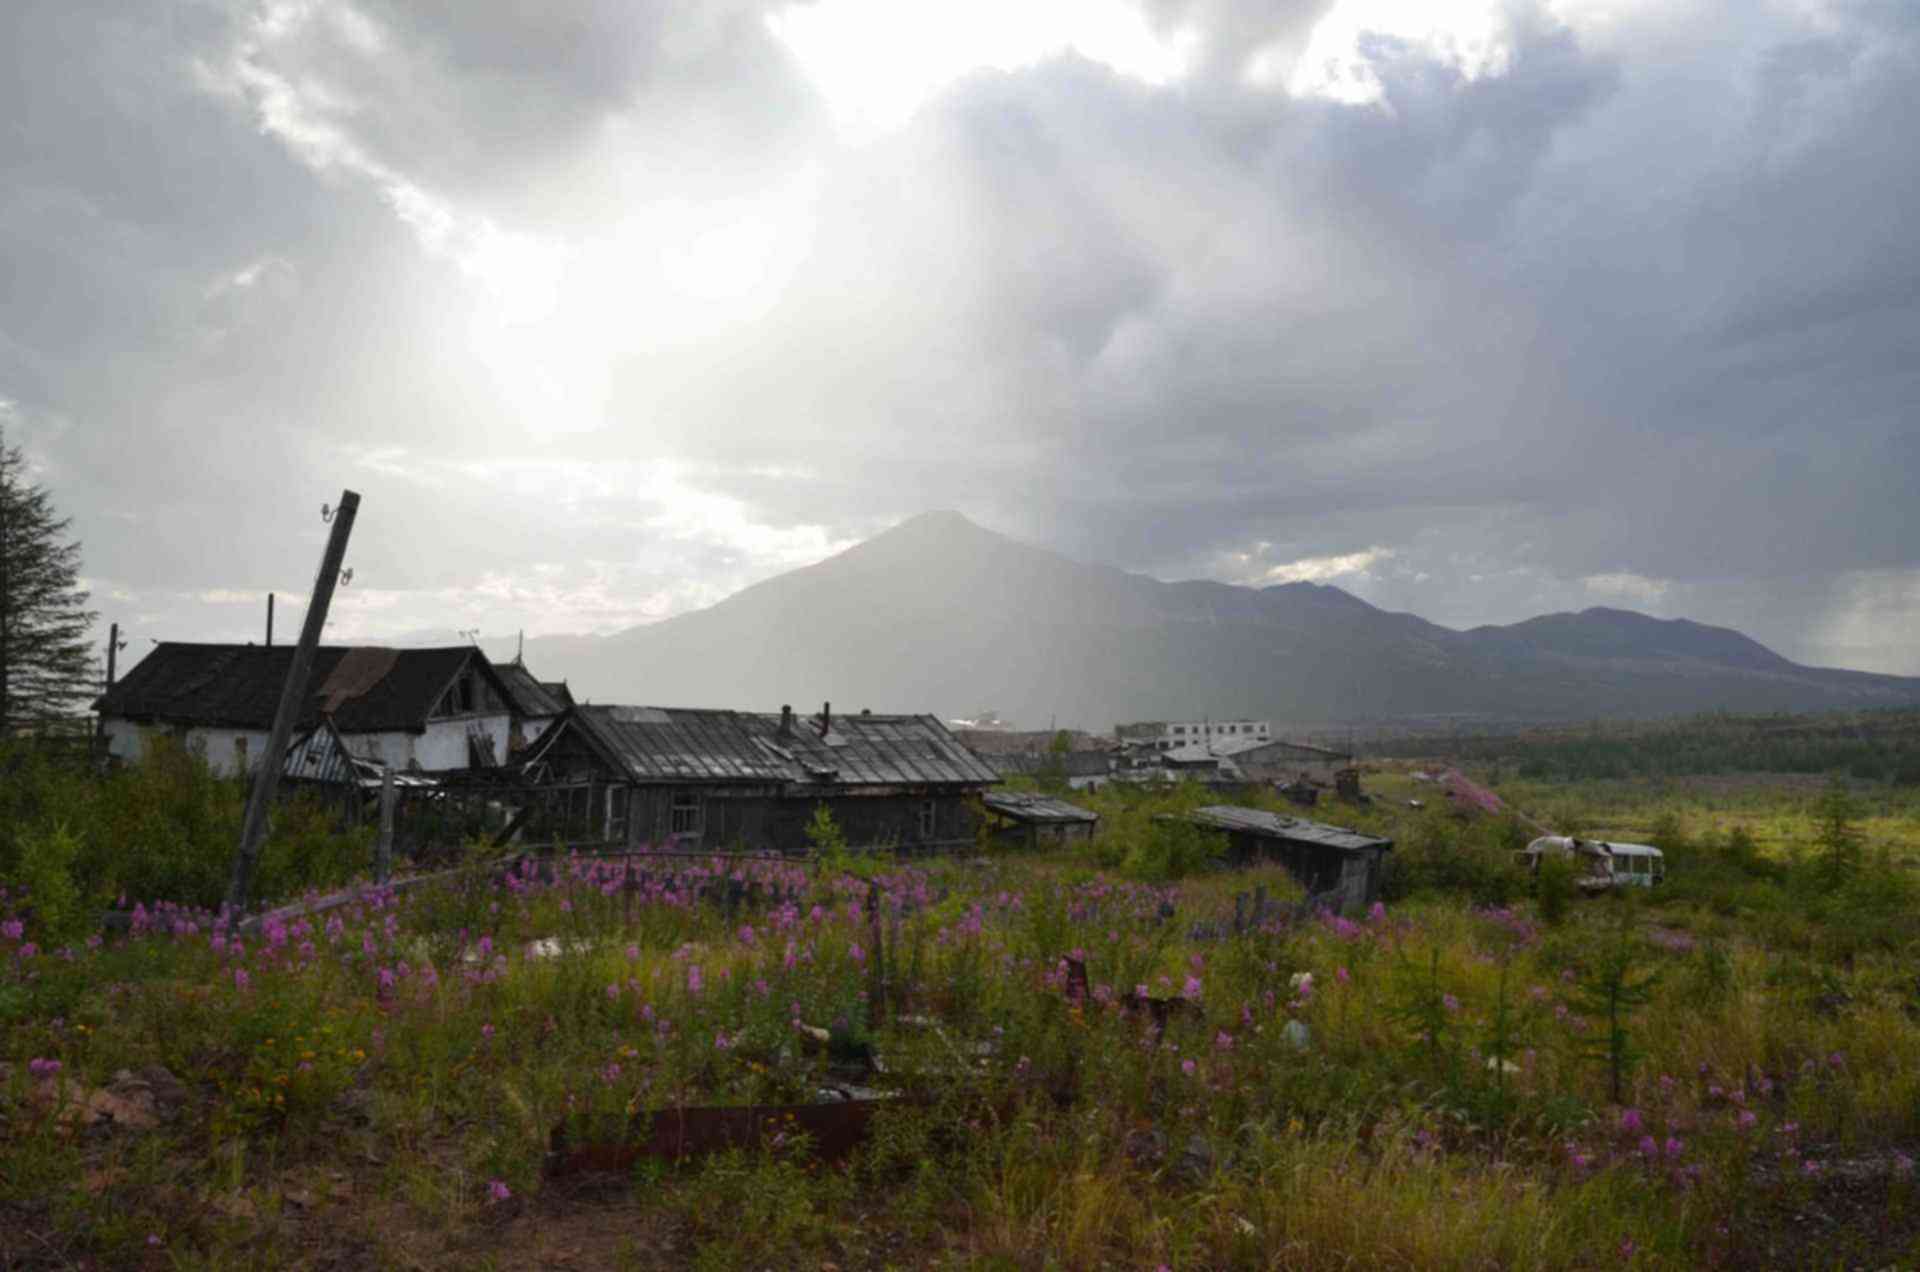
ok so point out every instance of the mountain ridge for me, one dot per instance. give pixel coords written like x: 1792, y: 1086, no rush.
x: 940, y: 614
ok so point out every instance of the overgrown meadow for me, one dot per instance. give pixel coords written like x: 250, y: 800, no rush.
x: 1090, y: 1058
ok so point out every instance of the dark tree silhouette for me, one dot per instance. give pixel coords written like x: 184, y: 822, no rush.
x: 45, y: 664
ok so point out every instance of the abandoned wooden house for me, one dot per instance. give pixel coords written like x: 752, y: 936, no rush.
x: 419, y: 710
x: 750, y: 780
x: 1033, y: 820
x: 1344, y: 866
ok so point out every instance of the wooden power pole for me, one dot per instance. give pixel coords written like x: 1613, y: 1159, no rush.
x: 266, y: 779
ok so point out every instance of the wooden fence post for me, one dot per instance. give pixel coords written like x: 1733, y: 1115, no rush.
x: 877, y: 993
x: 383, y: 849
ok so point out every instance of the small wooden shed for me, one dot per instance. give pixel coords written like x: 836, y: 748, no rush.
x: 1325, y: 859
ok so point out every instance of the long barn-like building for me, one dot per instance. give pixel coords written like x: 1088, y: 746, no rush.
x: 700, y: 778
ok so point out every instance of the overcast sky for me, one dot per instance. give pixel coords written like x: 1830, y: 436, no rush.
x: 608, y: 309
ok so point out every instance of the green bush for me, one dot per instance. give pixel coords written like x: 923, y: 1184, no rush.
x: 1173, y: 850
x: 46, y: 857
x: 164, y: 828
x: 1554, y: 888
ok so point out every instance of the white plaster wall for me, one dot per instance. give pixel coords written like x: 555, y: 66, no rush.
x: 127, y: 741
x: 444, y: 744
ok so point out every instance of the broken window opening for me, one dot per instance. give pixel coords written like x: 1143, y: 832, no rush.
x: 684, y: 815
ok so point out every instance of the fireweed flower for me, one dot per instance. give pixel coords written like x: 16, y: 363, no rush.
x: 1191, y: 991
x: 497, y: 1190
x: 41, y: 1067
x: 1188, y: 1067
x: 1674, y: 1146
x: 694, y: 981
x: 1450, y: 1002
x: 1630, y: 1121
x: 1223, y: 1041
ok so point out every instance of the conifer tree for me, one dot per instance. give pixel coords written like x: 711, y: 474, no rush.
x: 45, y: 664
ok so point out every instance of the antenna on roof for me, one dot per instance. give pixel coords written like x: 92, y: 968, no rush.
x: 520, y: 650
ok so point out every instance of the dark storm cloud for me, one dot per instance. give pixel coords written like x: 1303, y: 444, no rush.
x: 1630, y: 321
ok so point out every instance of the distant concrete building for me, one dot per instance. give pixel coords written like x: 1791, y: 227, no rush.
x: 1204, y: 734
x: 1285, y: 763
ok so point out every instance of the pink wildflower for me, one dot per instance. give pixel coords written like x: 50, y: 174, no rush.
x: 498, y: 1190
x: 1630, y: 1120
x: 1188, y: 1067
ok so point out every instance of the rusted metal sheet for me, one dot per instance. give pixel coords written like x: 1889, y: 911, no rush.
x: 833, y: 1130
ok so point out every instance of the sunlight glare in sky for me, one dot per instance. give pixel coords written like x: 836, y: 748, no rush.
x: 877, y: 61
x: 1471, y: 35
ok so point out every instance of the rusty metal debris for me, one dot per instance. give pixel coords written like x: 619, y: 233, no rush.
x: 833, y: 1130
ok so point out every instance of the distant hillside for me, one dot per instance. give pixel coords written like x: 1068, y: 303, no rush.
x: 1882, y: 744
x: 940, y: 615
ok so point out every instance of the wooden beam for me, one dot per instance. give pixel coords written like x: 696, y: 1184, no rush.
x: 293, y: 692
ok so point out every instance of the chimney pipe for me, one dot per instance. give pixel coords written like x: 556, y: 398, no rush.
x: 269, y: 618
x: 826, y: 718
x: 786, y: 721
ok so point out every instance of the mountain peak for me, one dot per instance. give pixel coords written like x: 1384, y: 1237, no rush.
x: 938, y: 523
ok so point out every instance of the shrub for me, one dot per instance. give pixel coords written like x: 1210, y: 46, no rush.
x: 47, y: 854
x: 1554, y: 888
x: 1173, y: 850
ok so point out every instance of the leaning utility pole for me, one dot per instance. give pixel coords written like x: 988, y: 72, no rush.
x: 266, y: 778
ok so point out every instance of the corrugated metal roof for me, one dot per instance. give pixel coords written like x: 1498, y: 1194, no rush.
x: 680, y: 744
x: 1038, y: 808
x: 1255, y: 821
